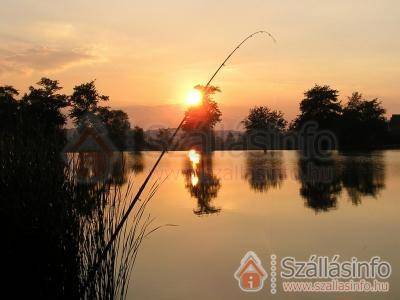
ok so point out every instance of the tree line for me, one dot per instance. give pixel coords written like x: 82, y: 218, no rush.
x: 43, y: 111
x: 356, y: 123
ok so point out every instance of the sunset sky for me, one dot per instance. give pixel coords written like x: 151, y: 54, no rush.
x: 146, y: 55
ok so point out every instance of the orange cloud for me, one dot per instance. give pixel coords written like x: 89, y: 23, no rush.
x: 42, y: 59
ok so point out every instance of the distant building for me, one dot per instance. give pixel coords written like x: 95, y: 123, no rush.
x: 394, y: 124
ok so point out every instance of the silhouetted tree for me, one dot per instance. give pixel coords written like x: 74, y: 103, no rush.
x: 8, y: 107
x: 206, y: 115
x: 84, y: 100
x: 138, y: 140
x: 321, y: 105
x: 39, y: 118
x: 117, y: 125
x: 363, y: 122
x: 47, y: 221
x: 264, y: 126
x: 263, y: 118
x: 44, y: 104
x: 37, y: 213
x: 8, y: 94
x: 200, y: 120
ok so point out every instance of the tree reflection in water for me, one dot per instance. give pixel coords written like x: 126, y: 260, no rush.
x: 323, y: 180
x: 264, y: 170
x: 201, y: 181
x: 92, y: 167
x: 363, y: 175
x: 136, y: 162
x: 320, y: 182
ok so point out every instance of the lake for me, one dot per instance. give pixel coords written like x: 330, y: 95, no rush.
x: 228, y: 203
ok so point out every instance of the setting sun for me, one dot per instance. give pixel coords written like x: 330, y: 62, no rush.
x: 193, y: 98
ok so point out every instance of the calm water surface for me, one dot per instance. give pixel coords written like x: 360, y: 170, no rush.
x: 228, y: 203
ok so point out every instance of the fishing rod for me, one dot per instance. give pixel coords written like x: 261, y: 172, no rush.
x: 103, y: 254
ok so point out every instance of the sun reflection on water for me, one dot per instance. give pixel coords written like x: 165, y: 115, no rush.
x: 194, y: 157
x: 194, y: 179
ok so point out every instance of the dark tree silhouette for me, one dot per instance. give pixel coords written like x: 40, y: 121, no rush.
x: 321, y: 105
x: 44, y: 104
x: 264, y: 127
x: 205, y: 116
x: 137, y: 139
x: 8, y: 94
x: 37, y: 218
x: 117, y: 125
x: 363, y: 123
x: 200, y: 121
x: 263, y: 118
x: 85, y: 99
x: 8, y: 106
x: 36, y: 118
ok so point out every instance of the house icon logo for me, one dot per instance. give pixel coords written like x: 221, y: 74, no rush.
x: 250, y: 274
